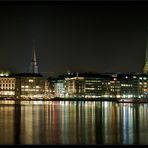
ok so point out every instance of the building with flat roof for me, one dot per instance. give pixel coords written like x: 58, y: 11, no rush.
x: 29, y: 85
x: 7, y: 85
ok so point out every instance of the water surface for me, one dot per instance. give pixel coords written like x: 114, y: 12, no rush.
x: 73, y: 122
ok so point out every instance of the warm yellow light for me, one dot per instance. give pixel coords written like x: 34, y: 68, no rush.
x: 30, y: 80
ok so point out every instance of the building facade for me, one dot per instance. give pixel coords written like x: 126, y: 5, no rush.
x: 29, y: 85
x: 88, y: 85
x: 7, y: 86
x: 59, y: 88
x: 23, y: 86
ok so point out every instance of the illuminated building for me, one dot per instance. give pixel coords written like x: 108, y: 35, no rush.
x: 95, y: 85
x: 51, y: 85
x: 23, y: 85
x: 75, y: 87
x: 143, y: 86
x: 113, y: 87
x: 128, y: 86
x: 91, y: 85
x: 29, y: 85
x: 7, y: 85
x: 47, y: 93
x: 60, y: 88
x: 84, y: 85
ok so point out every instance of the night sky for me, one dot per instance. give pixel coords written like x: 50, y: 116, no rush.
x: 79, y: 36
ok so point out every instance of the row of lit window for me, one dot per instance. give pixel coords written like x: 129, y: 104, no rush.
x: 143, y: 83
x: 92, y: 81
x: 7, y: 81
x: 143, y: 78
x: 59, y: 87
x: 31, y: 96
x: 115, y: 90
x: 90, y: 88
x: 28, y: 86
x: 30, y: 90
x: 7, y: 88
x: 7, y: 85
x: 114, y: 86
x: 126, y: 85
x: 7, y: 93
x: 87, y: 81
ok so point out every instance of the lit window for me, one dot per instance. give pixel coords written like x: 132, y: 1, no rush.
x: 30, y: 80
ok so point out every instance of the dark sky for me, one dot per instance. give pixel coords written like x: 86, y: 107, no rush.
x: 78, y: 36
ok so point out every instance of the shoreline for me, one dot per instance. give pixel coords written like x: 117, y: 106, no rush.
x: 61, y: 99
x: 79, y: 99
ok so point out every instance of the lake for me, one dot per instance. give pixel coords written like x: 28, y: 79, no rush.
x: 73, y: 122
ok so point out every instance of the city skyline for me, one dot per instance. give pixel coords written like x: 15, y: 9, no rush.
x: 93, y: 37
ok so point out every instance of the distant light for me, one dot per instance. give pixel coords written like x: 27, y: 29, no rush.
x: 4, y: 74
x: 118, y: 96
x: 1, y: 74
x: 30, y: 80
x: 126, y: 77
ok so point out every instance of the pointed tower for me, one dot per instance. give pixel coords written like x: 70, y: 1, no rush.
x: 33, y: 64
x: 146, y: 56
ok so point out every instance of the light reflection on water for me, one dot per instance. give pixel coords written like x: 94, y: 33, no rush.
x: 73, y: 122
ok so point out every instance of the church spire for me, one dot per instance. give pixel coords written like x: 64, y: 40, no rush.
x: 146, y: 56
x: 145, y: 70
x: 33, y: 65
